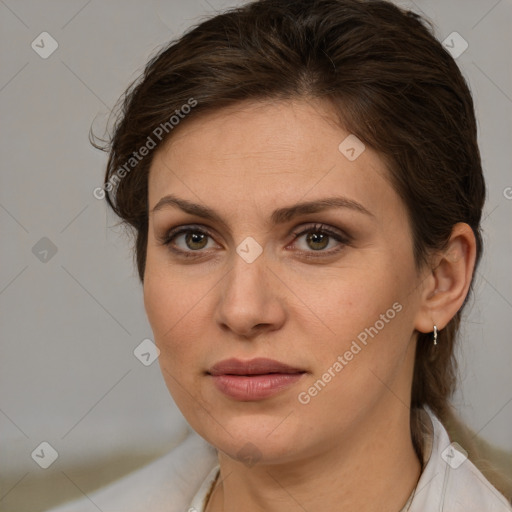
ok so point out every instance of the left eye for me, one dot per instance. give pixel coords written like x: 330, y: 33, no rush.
x: 318, y: 238
x: 196, y: 239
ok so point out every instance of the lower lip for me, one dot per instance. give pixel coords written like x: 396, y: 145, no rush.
x: 254, y: 387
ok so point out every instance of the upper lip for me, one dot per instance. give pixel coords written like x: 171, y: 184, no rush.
x: 258, y: 366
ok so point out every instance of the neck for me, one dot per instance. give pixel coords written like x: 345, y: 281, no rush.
x: 376, y: 463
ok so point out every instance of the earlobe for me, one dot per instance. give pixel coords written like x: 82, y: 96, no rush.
x: 447, y: 285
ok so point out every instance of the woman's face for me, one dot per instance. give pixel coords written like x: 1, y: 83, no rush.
x: 331, y: 292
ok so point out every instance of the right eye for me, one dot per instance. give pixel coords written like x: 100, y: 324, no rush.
x: 194, y: 240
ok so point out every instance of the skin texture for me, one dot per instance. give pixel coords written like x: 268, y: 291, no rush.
x: 349, y: 447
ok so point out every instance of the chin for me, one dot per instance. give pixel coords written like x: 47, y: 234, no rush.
x: 267, y: 439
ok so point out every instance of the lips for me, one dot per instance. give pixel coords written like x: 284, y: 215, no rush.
x: 258, y: 366
x: 257, y: 379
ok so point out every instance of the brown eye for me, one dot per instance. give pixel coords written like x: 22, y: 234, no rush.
x: 187, y: 241
x: 195, y: 240
x: 318, y: 238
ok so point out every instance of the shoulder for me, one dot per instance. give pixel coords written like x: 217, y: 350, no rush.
x: 451, y: 482
x: 166, y: 484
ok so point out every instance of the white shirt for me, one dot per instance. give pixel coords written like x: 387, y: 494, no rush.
x: 181, y: 480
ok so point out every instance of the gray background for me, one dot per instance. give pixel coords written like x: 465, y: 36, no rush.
x: 70, y: 324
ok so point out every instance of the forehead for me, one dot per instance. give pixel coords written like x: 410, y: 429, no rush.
x: 265, y: 130
x: 260, y: 153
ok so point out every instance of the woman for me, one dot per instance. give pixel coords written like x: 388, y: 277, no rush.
x: 305, y: 187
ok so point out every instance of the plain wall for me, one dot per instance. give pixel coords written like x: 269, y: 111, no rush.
x: 69, y: 325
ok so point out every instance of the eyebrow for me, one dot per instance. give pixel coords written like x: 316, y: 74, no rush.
x: 279, y: 216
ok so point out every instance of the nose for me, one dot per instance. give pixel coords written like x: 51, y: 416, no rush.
x: 251, y: 299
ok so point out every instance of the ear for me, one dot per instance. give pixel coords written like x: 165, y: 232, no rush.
x: 447, y: 282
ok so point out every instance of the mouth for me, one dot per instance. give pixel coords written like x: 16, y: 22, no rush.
x: 253, y: 380
x: 258, y: 366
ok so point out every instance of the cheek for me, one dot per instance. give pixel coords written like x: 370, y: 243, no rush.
x: 179, y: 356
x: 355, y: 298
x: 165, y: 296
x: 158, y: 304
x: 166, y: 311
x: 359, y: 364
x: 370, y: 317
x: 175, y: 307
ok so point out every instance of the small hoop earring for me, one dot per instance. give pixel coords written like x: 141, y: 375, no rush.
x: 435, y: 335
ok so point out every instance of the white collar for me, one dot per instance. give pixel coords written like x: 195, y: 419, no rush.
x: 449, y: 482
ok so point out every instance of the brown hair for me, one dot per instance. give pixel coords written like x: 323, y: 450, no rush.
x: 389, y: 80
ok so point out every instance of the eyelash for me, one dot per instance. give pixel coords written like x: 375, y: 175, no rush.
x: 316, y: 228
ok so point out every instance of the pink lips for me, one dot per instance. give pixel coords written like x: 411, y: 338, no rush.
x: 253, y: 380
